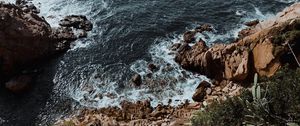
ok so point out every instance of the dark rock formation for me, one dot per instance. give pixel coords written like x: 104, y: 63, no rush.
x: 77, y: 21
x: 152, y: 67
x: 26, y: 39
x: 137, y: 80
x: 201, y: 91
x: 252, y: 23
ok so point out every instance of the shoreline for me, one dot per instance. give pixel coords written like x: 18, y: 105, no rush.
x: 200, y: 58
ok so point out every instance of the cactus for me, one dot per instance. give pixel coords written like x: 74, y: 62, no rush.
x: 256, y: 90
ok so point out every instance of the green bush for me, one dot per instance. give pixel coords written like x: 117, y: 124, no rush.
x: 278, y: 105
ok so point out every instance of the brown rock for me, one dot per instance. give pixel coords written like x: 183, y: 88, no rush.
x: 265, y: 64
x: 175, y: 46
x: 189, y: 36
x: 252, y: 23
x: 152, y: 67
x: 137, y: 80
x: 201, y: 91
x: 26, y: 38
x: 204, y: 27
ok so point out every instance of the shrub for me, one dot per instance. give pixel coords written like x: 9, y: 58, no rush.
x: 279, y: 105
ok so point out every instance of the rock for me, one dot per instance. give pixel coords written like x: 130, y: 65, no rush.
x: 27, y: 39
x: 175, y: 46
x: 152, y: 67
x: 245, y: 32
x: 252, y: 23
x: 77, y: 21
x: 259, y: 50
x: 201, y: 91
x: 204, y: 27
x: 19, y: 84
x: 189, y: 36
x: 261, y: 62
x: 208, y: 91
x: 83, y: 34
x: 137, y: 80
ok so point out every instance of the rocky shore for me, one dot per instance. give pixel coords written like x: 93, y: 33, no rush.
x: 27, y: 40
x: 263, y: 48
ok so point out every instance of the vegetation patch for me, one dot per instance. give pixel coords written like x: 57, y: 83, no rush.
x: 278, y: 103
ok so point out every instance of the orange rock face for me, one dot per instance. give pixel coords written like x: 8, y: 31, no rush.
x: 259, y: 50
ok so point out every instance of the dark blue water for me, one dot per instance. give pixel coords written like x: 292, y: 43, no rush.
x: 127, y: 35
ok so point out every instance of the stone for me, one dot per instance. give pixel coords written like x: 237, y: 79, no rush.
x: 152, y: 67
x: 77, y: 21
x: 175, y: 46
x: 27, y: 39
x: 200, y: 92
x: 204, y: 27
x: 189, y: 36
x: 137, y: 80
x: 252, y: 23
x: 208, y: 91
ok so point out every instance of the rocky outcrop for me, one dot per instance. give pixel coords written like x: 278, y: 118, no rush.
x: 133, y: 114
x: 263, y: 50
x: 26, y: 38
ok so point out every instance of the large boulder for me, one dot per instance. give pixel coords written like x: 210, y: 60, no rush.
x: 26, y: 39
x: 200, y: 92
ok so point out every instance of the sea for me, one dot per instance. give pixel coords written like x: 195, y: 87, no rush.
x: 127, y: 36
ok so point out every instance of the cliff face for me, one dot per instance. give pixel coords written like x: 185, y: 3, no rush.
x: 263, y: 50
x: 26, y: 38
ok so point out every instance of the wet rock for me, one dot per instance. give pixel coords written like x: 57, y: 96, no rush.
x: 245, y: 32
x: 201, y: 91
x: 137, y: 80
x: 152, y: 67
x: 77, y: 21
x: 19, y: 84
x: 83, y: 34
x: 189, y: 36
x: 175, y: 46
x: 252, y: 23
x: 204, y: 27
x: 27, y: 39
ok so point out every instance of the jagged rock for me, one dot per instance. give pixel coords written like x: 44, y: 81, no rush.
x: 175, y: 46
x: 27, y: 39
x: 152, y: 67
x: 201, y: 91
x: 260, y: 50
x: 252, y: 23
x: 189, y: 36
x: 77, y: 21
x: 137, y: 80
x: 204, y: 27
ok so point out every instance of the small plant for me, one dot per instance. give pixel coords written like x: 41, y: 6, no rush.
x: 256, y: 91
x: 279, y: 104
